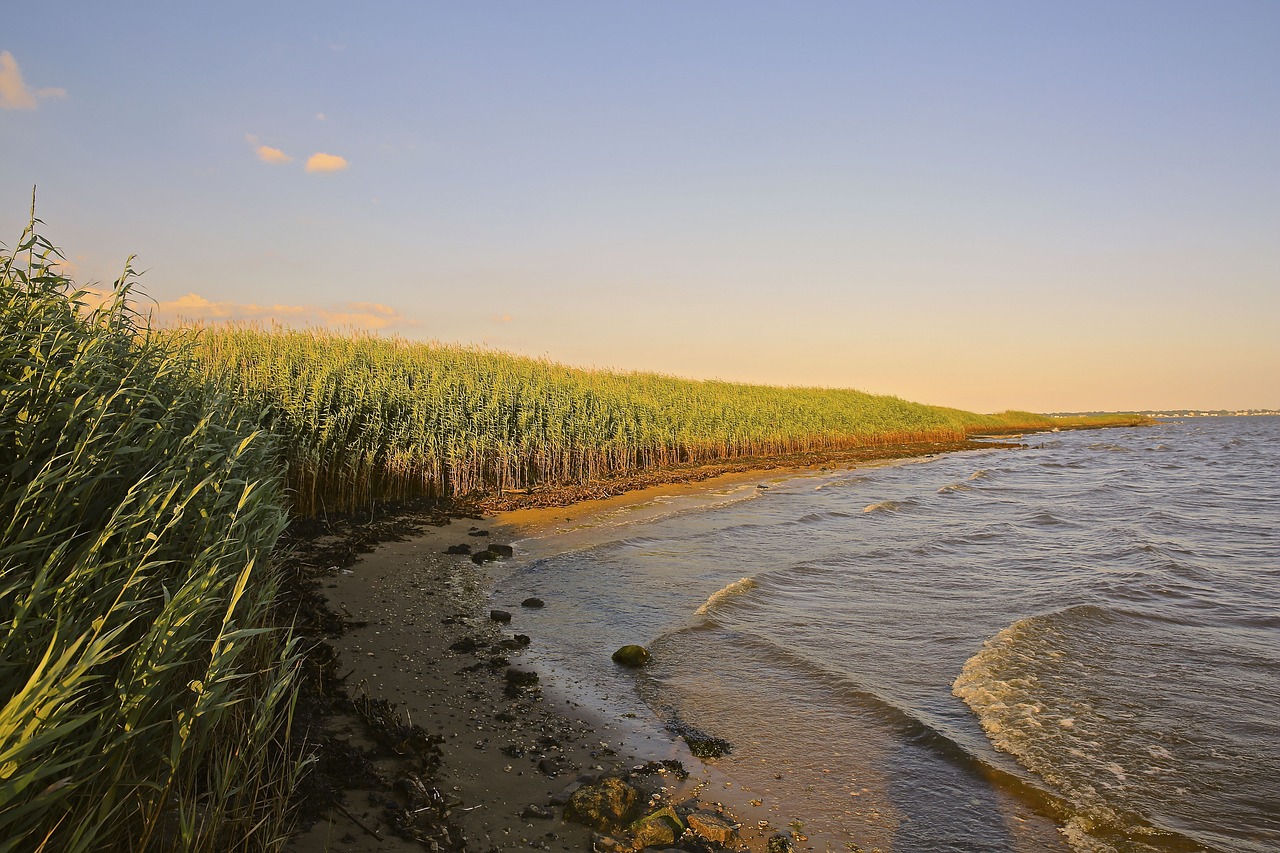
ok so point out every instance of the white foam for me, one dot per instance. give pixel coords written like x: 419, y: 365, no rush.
x: 738, y: 587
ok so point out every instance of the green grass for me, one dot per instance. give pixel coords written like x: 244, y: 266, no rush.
x: 145, y: 695
x: 368, y: 419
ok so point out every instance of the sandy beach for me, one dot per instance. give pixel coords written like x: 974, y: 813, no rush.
x: 417, y: 632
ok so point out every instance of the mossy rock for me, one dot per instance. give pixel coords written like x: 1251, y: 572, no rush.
x: 607, y: 805
x: 661, y: 828
x: 712, y: 827
x: 631, y: 656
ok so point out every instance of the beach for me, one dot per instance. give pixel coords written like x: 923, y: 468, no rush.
x: 982, y: 648
x: 405, y: 607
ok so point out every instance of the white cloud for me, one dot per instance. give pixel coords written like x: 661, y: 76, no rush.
x: 267, y: 154
x: 14, y: 94
x: 321, y: 162
x: 361, y: 315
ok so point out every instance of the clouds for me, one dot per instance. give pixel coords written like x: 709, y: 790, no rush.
x: 321, y: 162
x: 267, y: 154
x: 14, y: 94
x: 318, y: 163
x: 360, y: 315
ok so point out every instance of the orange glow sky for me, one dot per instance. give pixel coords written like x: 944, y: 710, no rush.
x: 988, y: 205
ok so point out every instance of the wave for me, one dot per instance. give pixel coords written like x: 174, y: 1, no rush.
x: 952, y: 488
x: 1029, y: 688
x: 889, y: 506
x: 738, y: 587
x: 816, y: 517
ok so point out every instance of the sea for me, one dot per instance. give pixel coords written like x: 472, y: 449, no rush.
x: 1070, y: 646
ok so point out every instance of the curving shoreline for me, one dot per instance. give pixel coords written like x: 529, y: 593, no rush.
x: 415, y: 630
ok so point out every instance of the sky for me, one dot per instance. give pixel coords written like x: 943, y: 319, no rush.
x: 989, y: 205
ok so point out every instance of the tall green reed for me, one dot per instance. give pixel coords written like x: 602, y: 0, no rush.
x: 366, y: 419
x: 145, y: 694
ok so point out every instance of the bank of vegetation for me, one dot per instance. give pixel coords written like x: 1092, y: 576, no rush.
x: 366, y: 419
x: 147, y: 679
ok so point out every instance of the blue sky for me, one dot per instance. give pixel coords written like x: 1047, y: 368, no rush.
x: 988, y: 205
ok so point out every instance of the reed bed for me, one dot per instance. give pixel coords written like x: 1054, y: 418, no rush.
x: 366, y: 419
x: 145, y: 695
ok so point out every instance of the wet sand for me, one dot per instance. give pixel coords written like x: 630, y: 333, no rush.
x: 505, y: 754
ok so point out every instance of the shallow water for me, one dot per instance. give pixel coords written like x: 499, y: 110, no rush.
x: 948, y: 654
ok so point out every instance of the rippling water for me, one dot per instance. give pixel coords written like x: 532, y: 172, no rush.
x: 945, y: 655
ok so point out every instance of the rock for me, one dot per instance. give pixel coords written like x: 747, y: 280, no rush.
x: 780, y: 843
x: 521, y: 678
x: 700, y: 743
x: 475, y: 531
x: 662, y: 827
x: 504, y: 551
x: 562, y: 798
x: 631, y: 656
x: 485, y: 556
x: 712, y: 827
x: 519, y: 641
x: 551, y: 766
x: 606, y: 805
x: 466, y: 644
x: 464, y: 548
x: 535, y: 812
x: 533, y: 602
x: 500, y: 616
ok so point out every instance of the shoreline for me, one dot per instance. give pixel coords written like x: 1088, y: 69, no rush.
x: 415, y: 632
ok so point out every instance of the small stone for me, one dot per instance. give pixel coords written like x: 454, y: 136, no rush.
x: 631, y: 656
x: 464, y: 548
x: 477, y: 532
x: 533, y: 602
x: 500, y: 616
x: 504, y: 551
x: 536, y: 812
x: 550, y: 767
x: 564, y: 796
x: 485, y: 556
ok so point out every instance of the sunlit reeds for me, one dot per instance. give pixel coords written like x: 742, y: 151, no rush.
x: 370, y: 419
x: 145, y: 697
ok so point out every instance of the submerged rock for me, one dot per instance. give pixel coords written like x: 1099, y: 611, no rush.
x: 504, y: 551
x: 631, y: 656
x: 533, y: 602
x: 485, y: 556
x: 500, y: 616
x: 781, y: 843
x: 607, y: 805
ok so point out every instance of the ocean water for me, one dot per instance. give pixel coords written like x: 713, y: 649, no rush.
x: 1072, y: 646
